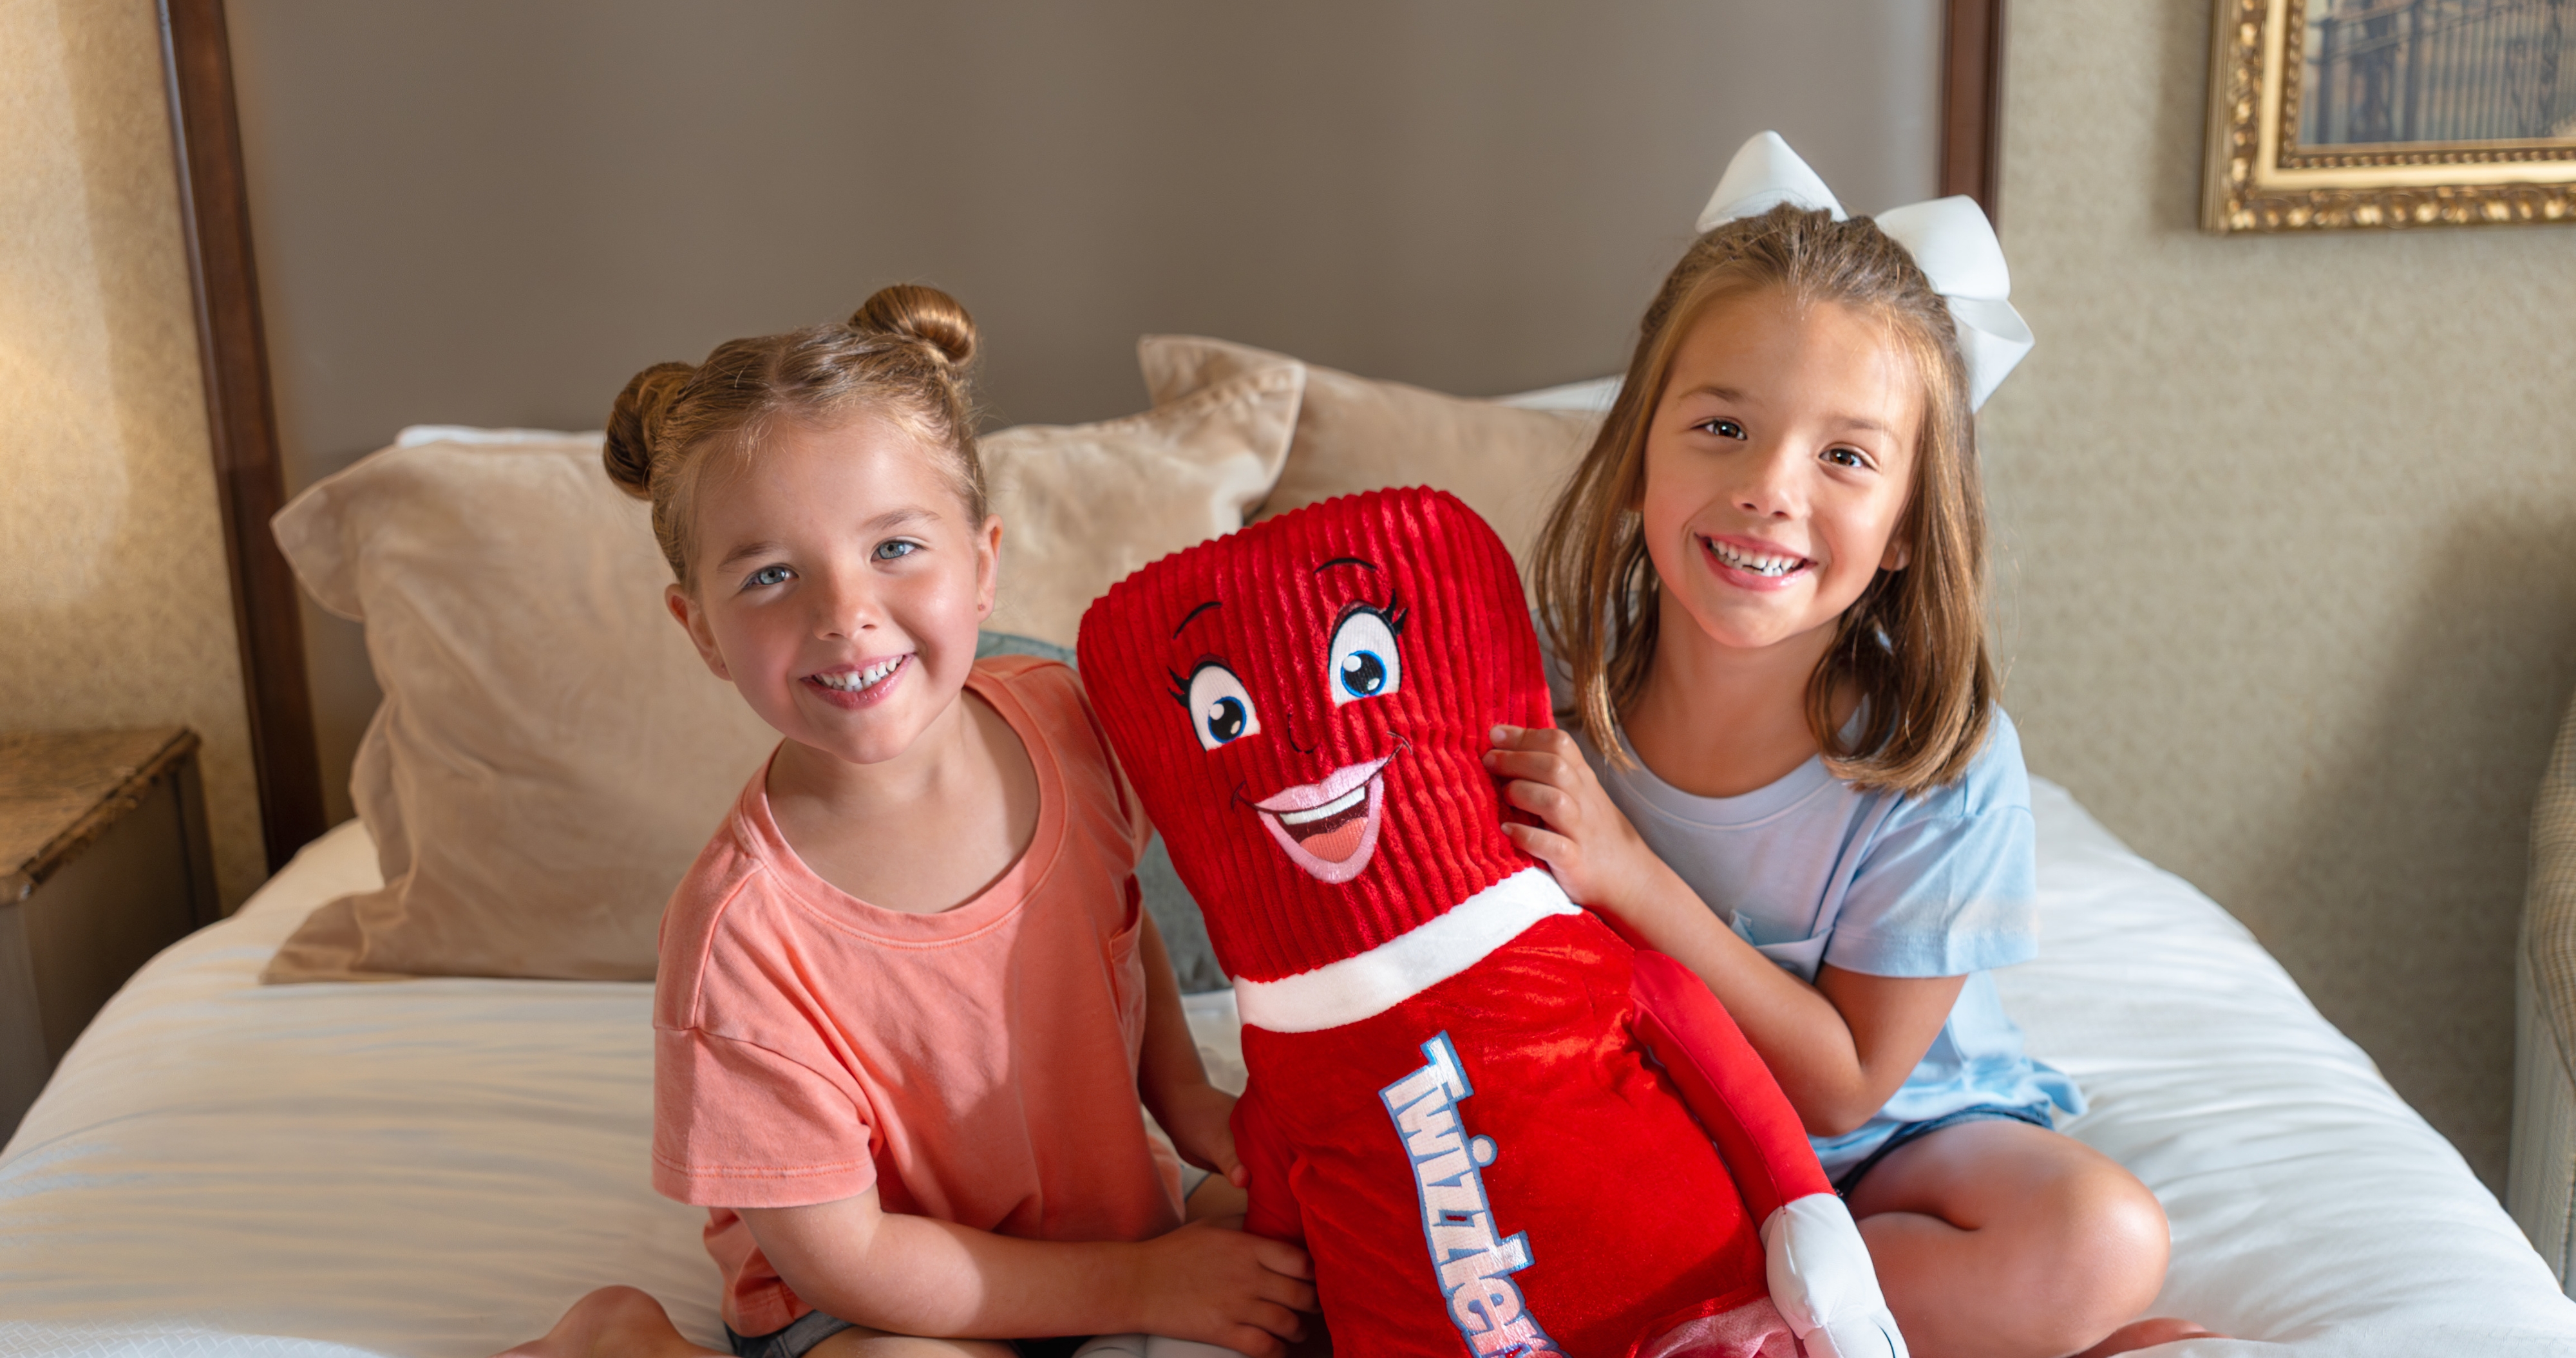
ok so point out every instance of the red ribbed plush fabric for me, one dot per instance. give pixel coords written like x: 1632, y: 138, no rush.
x: 1252, y: 685
x: 1500, y: 1162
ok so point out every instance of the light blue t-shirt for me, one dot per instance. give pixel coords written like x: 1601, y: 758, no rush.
x: 1941, y: 883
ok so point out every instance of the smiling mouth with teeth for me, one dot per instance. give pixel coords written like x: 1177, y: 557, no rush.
x: 1329, y: 828
x: 852, y: 683
x: 1768, y: 565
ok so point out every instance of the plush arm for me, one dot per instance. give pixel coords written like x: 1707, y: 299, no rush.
x: 1819, y: 1269
x: 1727, y: 1087
x: 1273, y: 1212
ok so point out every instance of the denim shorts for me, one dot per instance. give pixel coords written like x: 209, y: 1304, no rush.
x: 2036, y: 1116
x: 799, y: 1337
x: 812, y: 1328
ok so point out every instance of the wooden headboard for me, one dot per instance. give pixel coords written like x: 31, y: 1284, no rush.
x: 251, y: 459
x: 241, y: 420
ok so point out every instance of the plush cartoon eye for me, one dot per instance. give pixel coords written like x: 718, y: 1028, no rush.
x: 1220, y: 710
x: 1363, y: 663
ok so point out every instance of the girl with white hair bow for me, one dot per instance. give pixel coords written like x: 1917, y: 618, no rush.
x: 1782, y: 762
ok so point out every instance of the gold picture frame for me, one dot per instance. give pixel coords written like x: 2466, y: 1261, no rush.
x: 2386, y: 114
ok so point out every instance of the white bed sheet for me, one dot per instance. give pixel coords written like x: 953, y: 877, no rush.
x: 436, y: 1168
x: 430, y: 1167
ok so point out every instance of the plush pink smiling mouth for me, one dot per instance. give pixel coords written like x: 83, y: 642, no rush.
x: 1329, y: 828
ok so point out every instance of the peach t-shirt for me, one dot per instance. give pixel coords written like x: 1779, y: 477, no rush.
x: 977, y: 1065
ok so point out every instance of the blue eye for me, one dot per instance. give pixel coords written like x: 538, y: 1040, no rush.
x: 895, y: 550
x: 1363, y: 662
x: 767, y: 576
x: 1220, y: 709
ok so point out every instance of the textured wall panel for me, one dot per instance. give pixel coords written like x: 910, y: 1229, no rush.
x: 494, y: 212
x: 2289, y: 584
x: 114, y: 609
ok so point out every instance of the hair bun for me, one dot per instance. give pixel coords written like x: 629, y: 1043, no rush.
x: 635, y: 422
x: 920, y: 313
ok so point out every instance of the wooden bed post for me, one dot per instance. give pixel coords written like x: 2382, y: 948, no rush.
x: 1972, y: 103
x: 241, y: 421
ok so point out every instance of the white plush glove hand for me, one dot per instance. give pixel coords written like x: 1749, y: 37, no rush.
x: 1823, y: 1282
x: 1149, y: 1346
x: 1162, y: 1347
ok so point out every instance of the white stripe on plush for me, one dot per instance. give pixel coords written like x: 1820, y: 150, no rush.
x: 1401, y: 968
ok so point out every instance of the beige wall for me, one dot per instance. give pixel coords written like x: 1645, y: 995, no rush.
x: 114, y: 609
x: 2290, y: 584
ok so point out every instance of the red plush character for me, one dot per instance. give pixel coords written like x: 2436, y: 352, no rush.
x: 1499, y: 1129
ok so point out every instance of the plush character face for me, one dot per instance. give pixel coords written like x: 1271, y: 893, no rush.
x: 1304, y: 707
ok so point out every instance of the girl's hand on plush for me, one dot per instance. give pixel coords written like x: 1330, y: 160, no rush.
x: 1212, y: 1282
x: 1200, y: 1120
x: 1593, y: 850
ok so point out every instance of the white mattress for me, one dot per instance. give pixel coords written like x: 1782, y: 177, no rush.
x: 437, y: 1168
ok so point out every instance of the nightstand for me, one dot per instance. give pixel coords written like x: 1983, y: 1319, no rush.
x: 104, y: 861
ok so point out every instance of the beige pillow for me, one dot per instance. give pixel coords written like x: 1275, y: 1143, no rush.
x: 1082, y: 507
x: 1354, y: 434
x: 551, y: 755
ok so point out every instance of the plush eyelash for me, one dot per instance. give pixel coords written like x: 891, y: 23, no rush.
x: 1394, y: 613
x: 1180, y: 689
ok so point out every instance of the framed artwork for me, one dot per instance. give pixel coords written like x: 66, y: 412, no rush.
x: 2380, y: 114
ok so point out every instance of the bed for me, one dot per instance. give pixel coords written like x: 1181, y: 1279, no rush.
x: 436, y: 1168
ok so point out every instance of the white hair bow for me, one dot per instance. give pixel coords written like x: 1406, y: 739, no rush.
x: 1950, y: 239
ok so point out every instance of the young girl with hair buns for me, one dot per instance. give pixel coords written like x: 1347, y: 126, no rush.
x: 908, y: 998
x: 1764, y: 595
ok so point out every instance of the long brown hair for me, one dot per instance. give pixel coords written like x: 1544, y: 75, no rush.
x: 901, y: 356
x: 1914, y: 644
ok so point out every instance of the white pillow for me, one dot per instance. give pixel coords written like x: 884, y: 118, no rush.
x: 1591, y: 397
